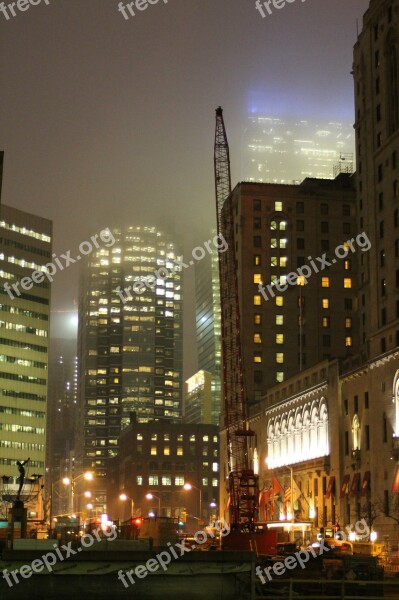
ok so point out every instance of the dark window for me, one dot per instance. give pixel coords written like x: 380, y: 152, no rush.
x: 384, y: 428
x: 382, y: 258
x: 379, y: 139
x: 324, y: 227
x: 383, y: 316
x: 396, y: 248
x: 392, y: 83
x: 366, y: 399
x: 381, y: 229
x: 389, y: 14
x: 383, y: 345
x: 348, y: 303
x: 386, y: 503
x: 394, y: 159
x: 355, y: 404
x: 383, y: 285
x: 326, y: 340
x: 300, y: 244
x: 377, y: 85
x: 346, y: 407
x: 300, y: 207
x: 257, y: 241
x: 395, y: 218
x: 375, y: 33
x: 367, y: 436
x: 380, y: 172
x: 324, y: 209
x: 258, y: 376
x: 395, y: 189
x: 300, y: 225
x: 346, y: 443
x: 257, y: 204
x: 346, y: 228
x: 381, y: 201
x: 378, y: 112
x: 300, y: 261
x: 346, y: 210
x: 257, y: 222
x: 377, y: 59
x: 325, y: 245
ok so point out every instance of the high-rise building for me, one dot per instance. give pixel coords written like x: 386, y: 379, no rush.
x: 61, y: 419
x: 198, y: 399
x: 292, y: 319
x: 376, y: 77
x: 130, y: 341
x: 287, y: 150
x: 25, y: 247
x: 208, y: 325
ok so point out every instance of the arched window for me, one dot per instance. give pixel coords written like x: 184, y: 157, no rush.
x: 392, y: 74
x: 256, y: 462
x: 395, y: 398
x: 356, y: 433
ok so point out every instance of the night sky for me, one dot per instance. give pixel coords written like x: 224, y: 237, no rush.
x: 107, y: 121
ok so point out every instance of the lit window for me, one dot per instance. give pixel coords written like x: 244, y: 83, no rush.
x: 139, y: 480
x: 325, y: 282
x: 326, y: 321
x: 279, y: 376
x: 283, y: 225
x: 257, y: 260
x: 279, y: 320
x: 215, y: 439
x: 325, y: 303
x: 192, y: 437
x: 278, y: 206
x: 257, y: 338
x: 257, y: 319
x: 179, y: 480
x: 154, y: 437
x: 166, y: 451
x: 215, y: 467
x: 279, y: 338
x: 347, y: 282
x: 215, y: 482
x: 153, y: 480
x: 279, y: 301
x: 205, y: 438
x: 273, y: 261
x: 205, y: 481
x: 279, y: 358
x: 166, y: 437
x: 273, y: 225
x: 273, y: 243
x: 300, y: 280
x: 347, y: 265
x: 257, y: 300
x: 257, y: 357
x: 348, y: 341
x: 283, y: 243
x: 153, y: 450
x: 166, y: 480
x: 283, y: 261
x: 257, y: 278
x: 179, y: 451
x: 348, y: 323
x: 139, y: 436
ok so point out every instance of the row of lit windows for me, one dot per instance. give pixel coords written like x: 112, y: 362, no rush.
x: 179, y: 450
x: 166, y: 480
x: 180, y: 437
x: 23, y: 362
x: 24, y: 328
x: 8, y: 410
x: 23, y: 378
x: 21, y: 445
x: 22, y: 311
x: 21, y: 428
x: 24, y: 231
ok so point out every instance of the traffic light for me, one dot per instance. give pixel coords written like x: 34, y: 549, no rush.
x: 183, y: 516
x: 138, y: 521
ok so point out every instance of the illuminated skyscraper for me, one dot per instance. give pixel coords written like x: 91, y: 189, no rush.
x: 130, y: 343
x: 287, y: 150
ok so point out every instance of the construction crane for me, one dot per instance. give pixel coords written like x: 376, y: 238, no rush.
x: 243, y: 483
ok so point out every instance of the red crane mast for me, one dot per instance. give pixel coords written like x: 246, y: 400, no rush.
x: 243, y: 482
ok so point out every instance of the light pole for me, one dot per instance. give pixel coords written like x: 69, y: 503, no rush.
x: 188, y: 487
x: 150, y: 496
x: 72, y: 482
x: 125, y: 497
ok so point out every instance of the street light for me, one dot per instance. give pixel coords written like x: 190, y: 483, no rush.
x: 125, y: 497
x: 72, y: 482
x: 150, y: 496
x: 190, y: 486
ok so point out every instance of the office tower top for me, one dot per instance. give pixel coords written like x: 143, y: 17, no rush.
x: 287, y: 150
x: 376, y: 77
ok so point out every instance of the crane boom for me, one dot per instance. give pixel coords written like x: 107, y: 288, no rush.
x: 243, y: 482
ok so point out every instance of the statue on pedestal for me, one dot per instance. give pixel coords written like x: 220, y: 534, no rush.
x: 21, y: 469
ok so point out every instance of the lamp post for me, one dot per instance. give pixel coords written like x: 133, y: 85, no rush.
x: 72, y: 482
x: 188, y: 487
x: 125, y: 497
x: 150, y: 496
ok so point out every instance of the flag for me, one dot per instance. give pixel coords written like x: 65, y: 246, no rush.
x: 276, y: 486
